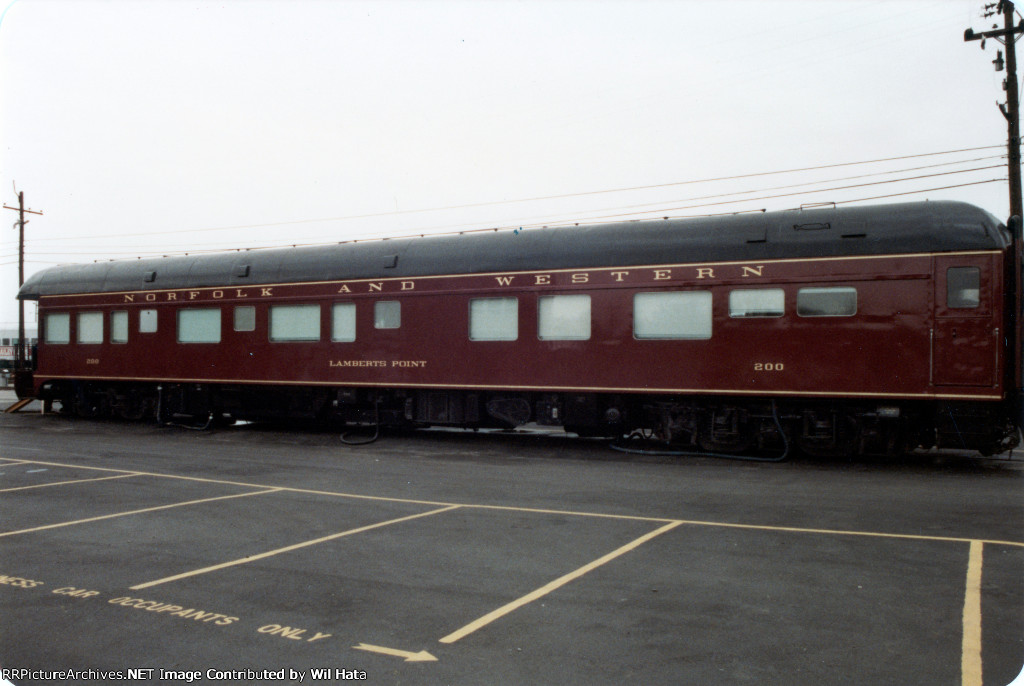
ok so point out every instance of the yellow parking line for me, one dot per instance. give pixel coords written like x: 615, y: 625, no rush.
x: 970, y: 663
x: 12, y: 462
x: 132, y: 512
x: 554, y: 585
x: 295, y: 546
x: 64, y: 483
x: 568, y: 513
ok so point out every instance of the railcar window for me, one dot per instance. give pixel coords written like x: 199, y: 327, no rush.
x: 672, y: 314
x: 119, y: 327
x: 494, y: 319
x: 757, y: 302
x: 199, y: 325
x: 387, y: 314
x: 295, y: 323
x: 963, y: 287
x: 90, y: 327
x: 147, y: 321
x: 826, y: 302
x: 563, y: 318
x: 57, y: 328
x: 343, y: 322
x: 245, y: 318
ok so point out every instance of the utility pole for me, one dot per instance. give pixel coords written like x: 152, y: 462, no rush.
x: 1011, y: 110
x: 19, y: 354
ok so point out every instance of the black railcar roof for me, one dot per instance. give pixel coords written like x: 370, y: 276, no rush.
x: 868, y: 230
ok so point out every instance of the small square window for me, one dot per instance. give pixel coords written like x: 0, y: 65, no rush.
x: 387, y: 314
x: 245, y: 318
x: 963, y: 287
x: 90, y: 327
x: 494, y: 319
x: 57, y: 328
x: 147, y: 321
x: 563, y: 318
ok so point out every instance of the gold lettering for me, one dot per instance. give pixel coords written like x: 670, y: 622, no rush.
x: 408, y: 285
x: 266, y: 292
x: 172, y: 296
x: 239, y: 293
x: 618, y: 275
x: 129, y: 298
x: 150, y: 297
x: 192, y: 295
x: 662, y: 274
x: 705, y: 273
x: 344, y: 289
x: 376, y: 286
x: 504, y: 280
x: 218, y: 294
x: 580, y: 278
x: 542, y: 279
x: 756, y: 271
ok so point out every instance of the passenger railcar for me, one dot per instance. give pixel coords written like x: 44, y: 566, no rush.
x: 863, y: 329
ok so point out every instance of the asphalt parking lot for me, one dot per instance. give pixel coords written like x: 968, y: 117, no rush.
x: 248, y: 554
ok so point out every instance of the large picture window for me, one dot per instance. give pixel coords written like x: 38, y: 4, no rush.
x: 57, y: 328
x: 494, y: 319
x: 199, y: 325
x: 672, y: 314
x: 295, y: 323
x: 563, y: 318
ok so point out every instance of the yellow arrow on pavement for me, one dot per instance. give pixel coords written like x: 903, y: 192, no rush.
x: 422, y: 656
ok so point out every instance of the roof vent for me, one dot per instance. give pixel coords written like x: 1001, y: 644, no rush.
x: 390, y: 261
x: 819, y: 226
x: 149, y: 277
x: 242, y: 270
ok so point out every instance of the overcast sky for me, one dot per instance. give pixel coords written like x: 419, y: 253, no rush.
x: 146, y: 127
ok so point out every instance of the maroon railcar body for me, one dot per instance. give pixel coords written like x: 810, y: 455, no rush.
x: 861, y: 329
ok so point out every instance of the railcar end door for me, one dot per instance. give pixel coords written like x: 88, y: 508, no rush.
x: 965, y: 339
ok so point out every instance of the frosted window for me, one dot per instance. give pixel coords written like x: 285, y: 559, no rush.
x: 90, y: 327
x: 245, y: 318
x: 387, y: 314
x: 147, y: 321
x: 295, y: 323
x: 118, y: 327
x: 199, y: 326
x: 672, y: 314
x: 493, y: 319
x: 564, y: 318
x: 343, y: 322
x: 58, y: 328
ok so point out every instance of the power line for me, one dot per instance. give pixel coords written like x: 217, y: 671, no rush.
x: 549, y: 197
